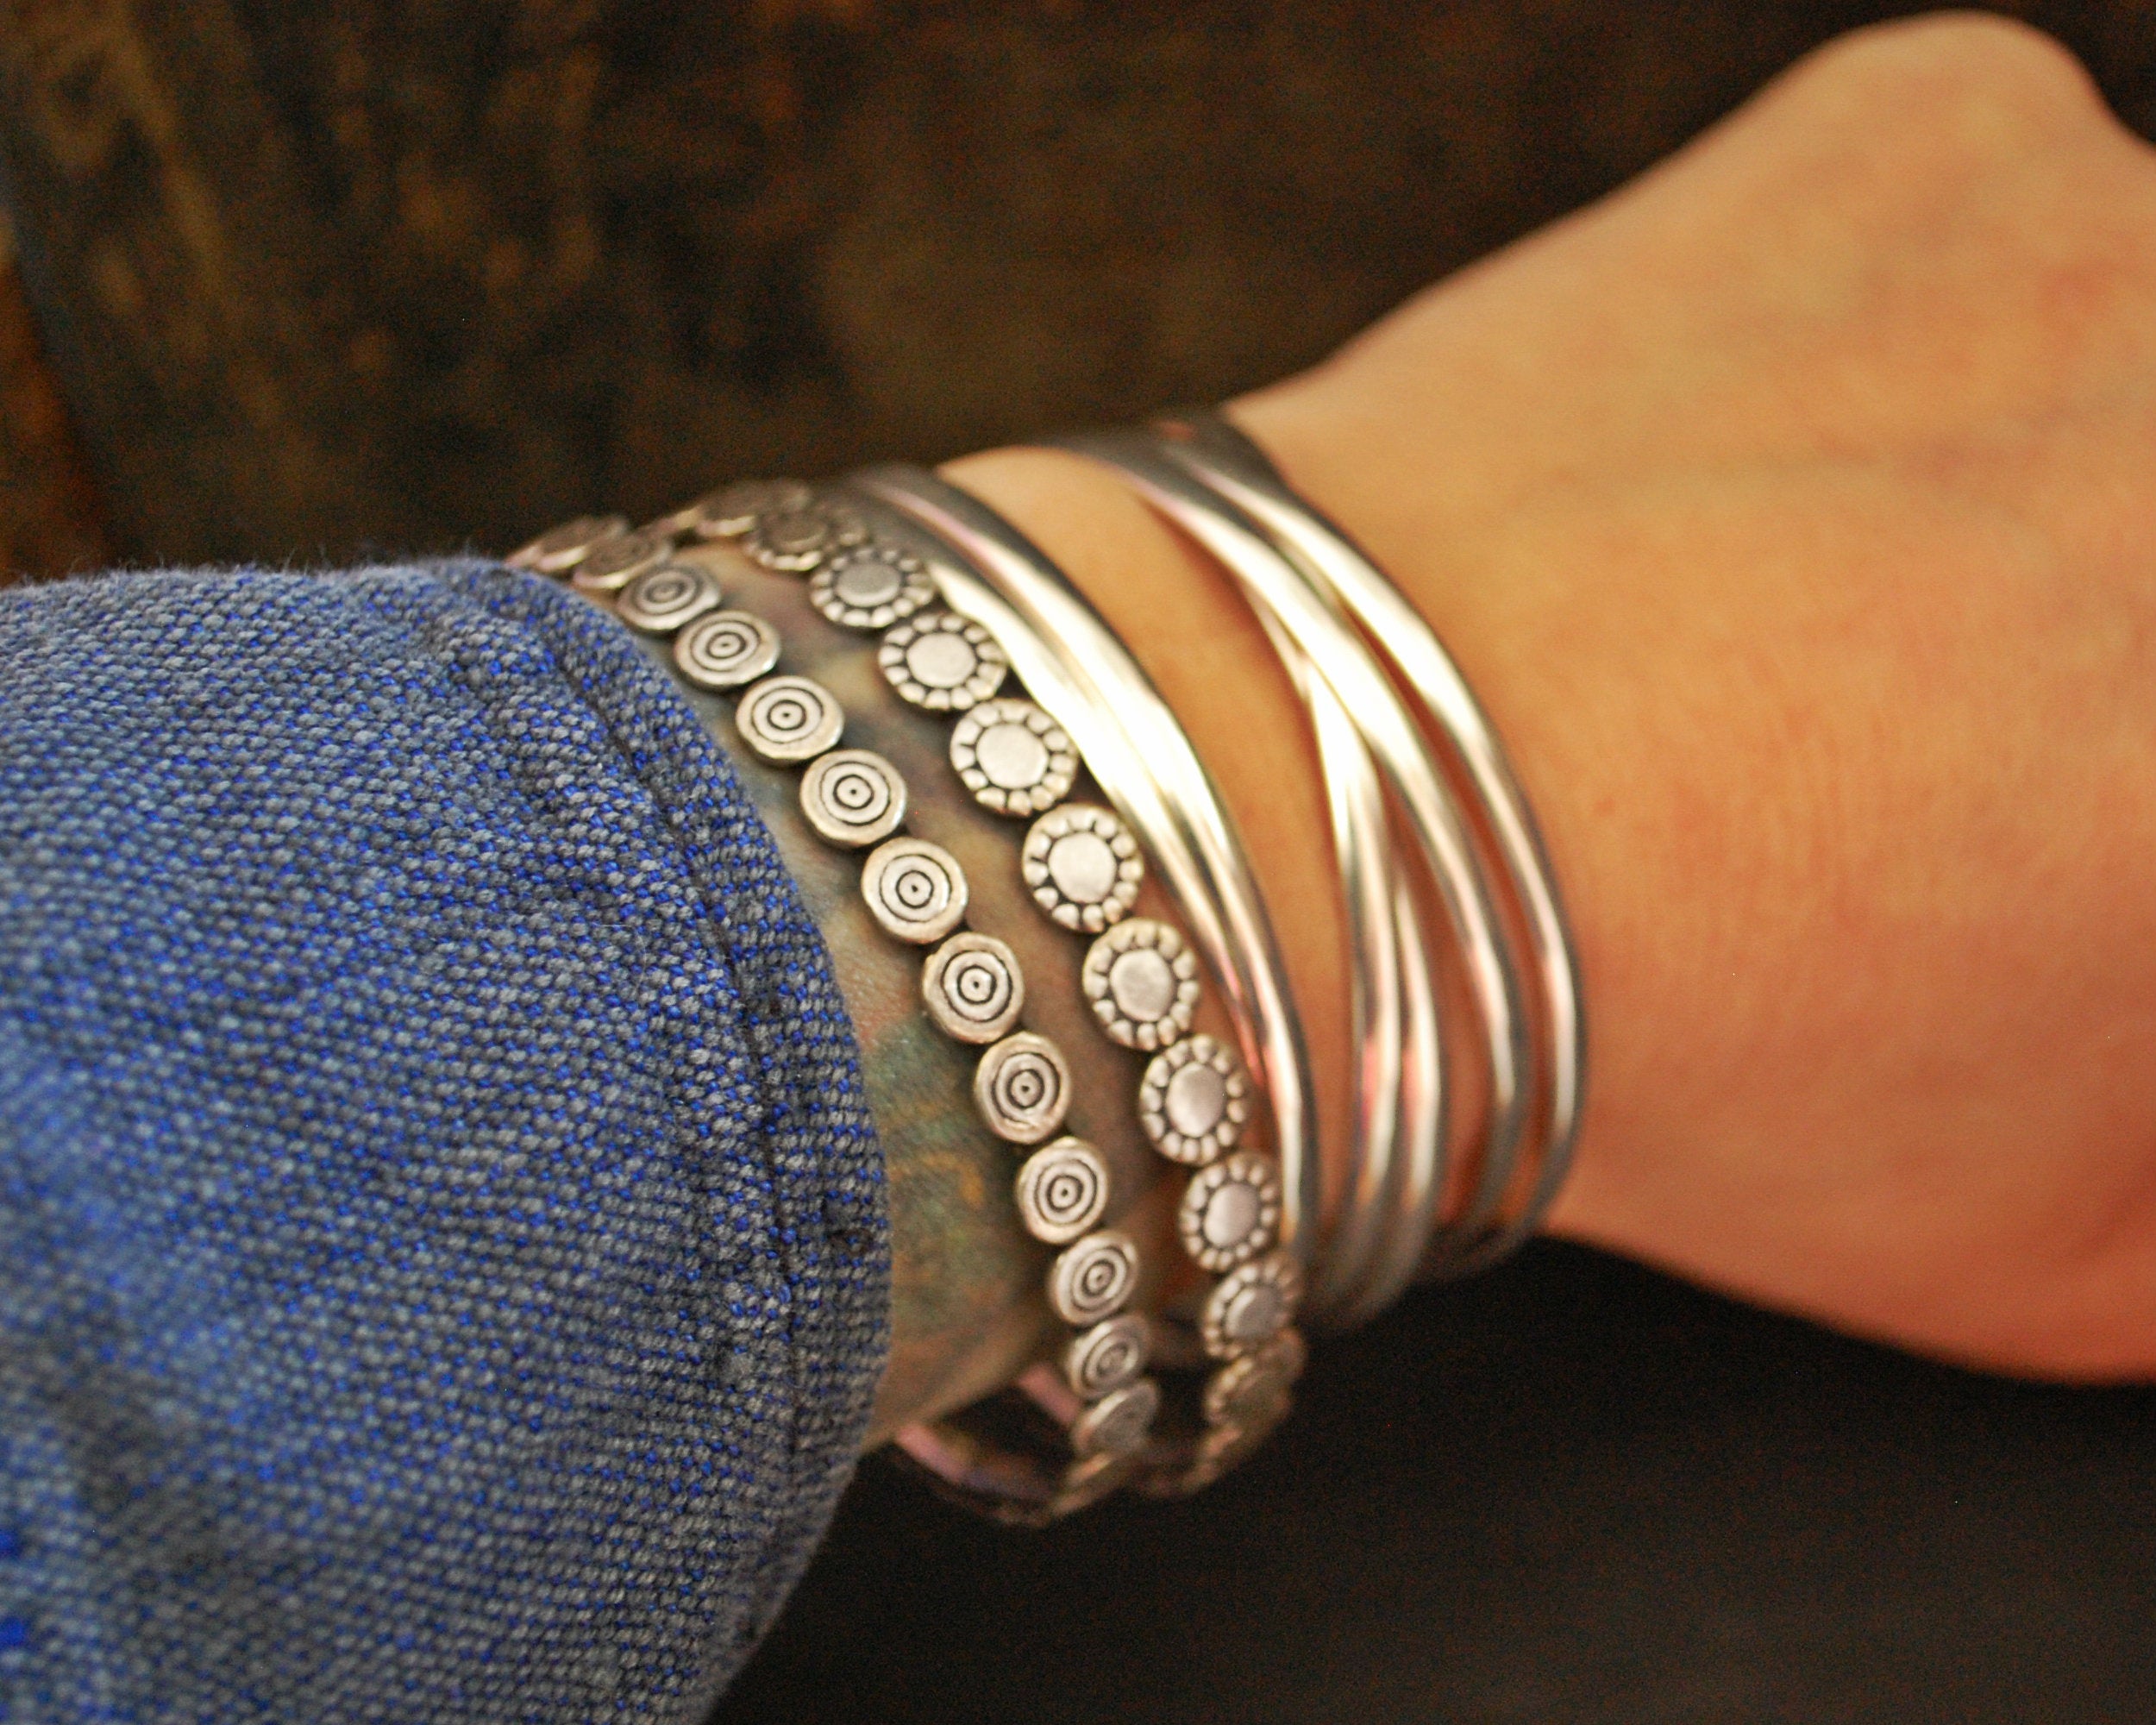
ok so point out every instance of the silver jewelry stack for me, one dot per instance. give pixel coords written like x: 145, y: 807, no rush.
x: 960, y: 602
x: 1083, y: 868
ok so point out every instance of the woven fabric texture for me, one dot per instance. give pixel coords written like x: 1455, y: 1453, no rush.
x: 443, y: 1261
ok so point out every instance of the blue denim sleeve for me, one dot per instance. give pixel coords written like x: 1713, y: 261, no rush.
x: 443, y: 1261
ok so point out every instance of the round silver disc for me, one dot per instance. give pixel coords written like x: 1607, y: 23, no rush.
x: 942, y: 661
x: 1119, y: 1422
x: 871, y: 587
x: 1094, y: 1278
x: 972, y: 988
x: 662, y: 600
x: 1142, y: 983
x: 1231, y: 1211
x: 723, y: 649
x: 610, y: 566
x: 1193, y: 1100
x: 1246, y: 1390
x: 1021, y: 1088
x: 1082, y: 867
x: 797, y: 540
x: 1013, y: 757
x: 733, y: 509
x: 1250, y: 1305
x: 1109, y: 1355
x: 916, y: 890
x: 853, y: 797
x: 559, y: 549
x: 1061, y: 1190
x: 785, y: 719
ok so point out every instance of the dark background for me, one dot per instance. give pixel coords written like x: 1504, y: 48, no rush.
x: 297, y: 281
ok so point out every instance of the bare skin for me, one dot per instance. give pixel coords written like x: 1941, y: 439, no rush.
x: 1790, y: 509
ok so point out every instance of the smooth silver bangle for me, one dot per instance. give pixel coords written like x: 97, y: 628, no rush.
x: 1238, y: 472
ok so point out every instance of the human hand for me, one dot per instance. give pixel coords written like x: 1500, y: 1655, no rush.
x: 1788, y: 509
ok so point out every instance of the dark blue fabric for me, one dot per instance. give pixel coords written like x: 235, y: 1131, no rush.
x: 443, y: 1255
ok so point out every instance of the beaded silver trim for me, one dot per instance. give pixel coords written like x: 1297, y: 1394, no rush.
x: 1013, y: 757
x: 1250, y: 1305
x: 853, y: 797
x: 1082, y: 867
x: 1194, y: 1101
x: 942, y: 662
x: 1142, y: 983
x: 797, y: 540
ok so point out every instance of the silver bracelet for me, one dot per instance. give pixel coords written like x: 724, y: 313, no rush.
x: 1083, y: 869
x: 1358, y: 649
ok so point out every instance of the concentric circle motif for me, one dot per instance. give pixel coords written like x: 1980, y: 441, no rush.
x: 785, y: 719
x: 1143, y: 983
x: 1109, y: 1355
x: 1250, y: 1305
x: 1119, y: 1422
x: 853, y: 797
x: 559, y: 549
x: 723, y: 649
x: 733, y: 509
x: 942, y: 661
x: 667, y: 598
x: 610, y: 565
x: 870, y: 587
x: 1231, y: 1211
x: 1082, y: 867
x: 1013, y: 757
x: 972, y: 988
x: 916, y: 890
x: 1094, y: 1278
x: 1245, y: 1391
x: 1021, y: 1088
x: 797, y: 540
x: 1061, y: 1190
x: 1194, y: 1101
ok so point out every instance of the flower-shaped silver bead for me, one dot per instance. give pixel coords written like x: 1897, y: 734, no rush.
x: 1142, y: 983
x: 1244, y: 1391
x: 1013, y: 757
x: 1250, y: 1305
x: 1231, y: 1211
x: 871, y: 586
x: 1082, y: 867
x: 796, y: 540
x: 1194, y: 1101
x: 942, y: 661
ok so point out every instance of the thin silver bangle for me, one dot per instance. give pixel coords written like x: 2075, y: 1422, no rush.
x: 1240, y: 473
x: 1082, y: 673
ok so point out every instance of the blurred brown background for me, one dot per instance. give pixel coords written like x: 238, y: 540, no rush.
x: 308, y: 280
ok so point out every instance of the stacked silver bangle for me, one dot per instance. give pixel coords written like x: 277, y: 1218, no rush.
x: 959, y: 602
